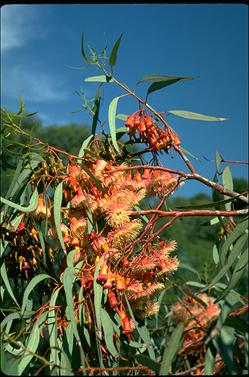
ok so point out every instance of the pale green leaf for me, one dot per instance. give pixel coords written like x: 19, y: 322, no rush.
x: 112, y: 121
x: 195, y: 116
x: 57, y: 213
x: 100, y: 78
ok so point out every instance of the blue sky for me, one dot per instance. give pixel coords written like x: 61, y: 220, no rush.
x: 41, y: 50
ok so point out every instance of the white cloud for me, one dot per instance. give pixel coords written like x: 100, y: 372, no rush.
x: 32, y: 85
x: 19, y: 25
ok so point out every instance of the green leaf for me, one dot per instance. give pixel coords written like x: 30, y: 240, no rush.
x: 237, y: 232
x: 32, y: 343
x: 189, y: 268
x: 21, y: 108
x: 146, y: 361
x: 121, y: 130
x: 160, y: 81
x: 98, y: 293
x: 52, y: 329
x: 10, y: 317
x: 100, y: 78
x: 83, y: 50
x: 35, y: 280
x: 108, y: 332
x: 143, y: 332
x: 185, y: 151
x: 218, y: 160
x: 83, y: 147
x: 112, y: 121
x: 216, y: 257
x: 9, y: 364
x: 57, y: 213
x: 122, y: 117
x: 6, y: 282
x: 95, y: 109
x: 171, y: 349
x: 231, y: 259
x: 227, y: 181
x: 209, y: 362
x: 195, y: 116
x: 68, y: 280
x: 113, y: 56
x: 236, y: 275
x: 32, y: 205
x: 225, y: 344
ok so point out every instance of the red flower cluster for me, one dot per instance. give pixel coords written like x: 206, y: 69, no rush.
x: 149, y: 132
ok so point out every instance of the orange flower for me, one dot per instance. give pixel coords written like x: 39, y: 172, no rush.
x: 42, y: 211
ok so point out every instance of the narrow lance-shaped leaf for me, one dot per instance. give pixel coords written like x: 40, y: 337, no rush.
x: 21, y: 108
x: 84, y: 145
x: 113, y: 56
x: 32, y: 343
x: 171, y: 349
x: 96, y: 112
x: 112, y: 121
x: 32, y: 205
x: 218, y: 160
x: 227, y: 181
x: 108, y: 332
x: 161, y: 81
x: 231, y: 259
x: 32, y: 284
x: 98, y: 292
x: 195, y: 116
x: 83, y: 50
x: 57, y: 213
x: 6, y: 282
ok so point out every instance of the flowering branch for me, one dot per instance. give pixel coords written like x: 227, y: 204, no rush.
x: 198, y: 177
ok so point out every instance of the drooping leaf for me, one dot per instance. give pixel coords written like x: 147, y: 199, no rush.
x: 112, y: 121
x: 237, y: 232
x: 189, y: 268
x: 100, y: 78
x: 98, y: 293
x: 83, y: 50
x: 95, y: 109
x: 32, y: 205
x: 195, y: 116
x: 231, y: 259
x: 161, y: 81
x: 32, y: 343
x: 52, y: 328
x: 236, y: 275
x: 171, y: 349
x: 209, y: 361
x: 108, y: 332
x: 9, y: 364
x: 32, y: 284
x: 143, y: 332
x: 6, y: 282
x: 68, y: 280
x: 146, y: 361
x: 113, y: 56
x: 57, y: 213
